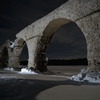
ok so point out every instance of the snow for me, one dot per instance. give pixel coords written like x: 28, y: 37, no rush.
x: 84, y: 76
x: 11, y: 69
x: 12, y: 44
x: 27, y: 71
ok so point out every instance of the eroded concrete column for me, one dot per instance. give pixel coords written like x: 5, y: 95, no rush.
x: 37, y: 57
x: 90, y: 26
x: 14, y: 62
x: 15, y: 52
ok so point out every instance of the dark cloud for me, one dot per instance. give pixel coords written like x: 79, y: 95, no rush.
x: 17, y: 14
x: 24, y: 10
x: 6, y: 34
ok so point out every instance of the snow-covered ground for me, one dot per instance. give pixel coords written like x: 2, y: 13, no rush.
x: 28, y: 85
x: 83, y: 76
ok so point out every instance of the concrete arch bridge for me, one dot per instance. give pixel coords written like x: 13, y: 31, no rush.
x: 37, y: 36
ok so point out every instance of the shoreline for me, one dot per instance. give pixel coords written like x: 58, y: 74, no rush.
x: 15, y: 86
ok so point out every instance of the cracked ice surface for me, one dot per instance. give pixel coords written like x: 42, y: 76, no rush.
x: 84, y: 76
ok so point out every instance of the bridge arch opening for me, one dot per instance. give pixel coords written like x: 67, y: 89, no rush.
x: 4, y: 57
x: 51, y: 29
x: 21, y: 51
x: 24, y: 56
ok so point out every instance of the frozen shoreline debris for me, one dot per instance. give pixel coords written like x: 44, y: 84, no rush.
x: 27, y: 71
x: 85, y: 76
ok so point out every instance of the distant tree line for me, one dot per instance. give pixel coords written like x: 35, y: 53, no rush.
x: 81, y: 61
x: 68, y: 62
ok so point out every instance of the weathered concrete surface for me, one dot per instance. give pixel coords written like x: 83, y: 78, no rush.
x: 15, y: 52
x: 90, y: 26
x: 85, y: 13
x: 10, y: 53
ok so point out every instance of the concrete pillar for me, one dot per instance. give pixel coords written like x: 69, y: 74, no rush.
x: 90, y: 27
x: 37, y: 56
x: 14, y: 53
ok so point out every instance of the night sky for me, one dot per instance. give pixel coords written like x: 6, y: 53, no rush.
x: 68, y: 41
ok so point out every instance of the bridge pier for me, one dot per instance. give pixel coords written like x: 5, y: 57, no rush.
x: 37, y: 57
x: 90, y: 26
x: 15, y: 52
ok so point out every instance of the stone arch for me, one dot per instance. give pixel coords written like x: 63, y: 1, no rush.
x: 51, y: 29
x: 37, y: 45
x: 68, y: 42
x: 54, y: 25
x: 84, y: 14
